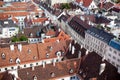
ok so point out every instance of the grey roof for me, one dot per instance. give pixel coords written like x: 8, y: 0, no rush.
x: 100, y: 34
x: 7, y: 23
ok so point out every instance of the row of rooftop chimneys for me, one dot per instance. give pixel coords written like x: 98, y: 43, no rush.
x: 19, y: 47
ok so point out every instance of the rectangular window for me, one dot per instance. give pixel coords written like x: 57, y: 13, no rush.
x: 115, y: 52
x: 114, y: 57
x: 118, y: 60
x: 109, y: 54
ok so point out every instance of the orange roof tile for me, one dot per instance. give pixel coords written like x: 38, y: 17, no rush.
x: 61, y: 36
x: 24, y: 55
x: 117, y: 5
x: 50, y: 32
x: 40, y: 20
x: 10, y: 13
x: 1, y: 3
x: 38, y: 50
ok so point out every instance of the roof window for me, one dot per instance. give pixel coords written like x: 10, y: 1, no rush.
x: 3, y: 55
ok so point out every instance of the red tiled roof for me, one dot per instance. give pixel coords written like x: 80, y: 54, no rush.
x: 106, y: 5
x: 19, y: 9
x: 117, y: 5
x: 86, y: 3
x: 60, y: 69
x: 37, y: 50
x: 40, y: 20
x: 61, y: 36
x: 44, y: 48
x: 50, y: 32
x: 3, y: 16
x: 1, y: 3
x: 23, y: 55
x: 14, y: 13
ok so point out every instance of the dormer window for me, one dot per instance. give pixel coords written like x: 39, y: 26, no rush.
x: 34, y: 57
x: 29, y: 51
x: 50, y: 48
x: 3, y: 56
x: 35, y: 77
x: 58, y: 54
x: 31, y: 34
x: 47, y: 55
x: 71, y: 70
x: 11, y: 60
x: 52, y: 74
x: 18, y: 61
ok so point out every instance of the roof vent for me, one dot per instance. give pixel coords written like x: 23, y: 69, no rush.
x: 11, y: 47
x: 71, y: 71
x: 52, y: 74
x: 35, y: 77
x: 20, y: 47
x: 58, y: 54
x: 3, y: 56
x: 11, y: 60
x: 18, y: 61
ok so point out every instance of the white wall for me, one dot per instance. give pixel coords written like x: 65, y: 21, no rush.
x: 9, y: 32
x: 113, y: 56
x: 21, y: 21
x: 27, y: 65
x: 72, y: 77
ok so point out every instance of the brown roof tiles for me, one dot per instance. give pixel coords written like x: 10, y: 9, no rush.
x: 59, y: 70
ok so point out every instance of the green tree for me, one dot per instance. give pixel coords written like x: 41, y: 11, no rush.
x: 23, y: 38
x: 65, y: 6
x: 15, y: 39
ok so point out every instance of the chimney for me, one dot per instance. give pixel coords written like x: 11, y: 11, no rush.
x: 43, y: 63
x: 20, y: 47
x: 11, y: 47
x: 103, y: 58
x: 101, y: 4
x: 70, y: 47
x: 73, y: 49
x: 87, y: 52
x: 102, y: 68
x: 33, y: 68
x: 79, y: 55
x: 53, y: 62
